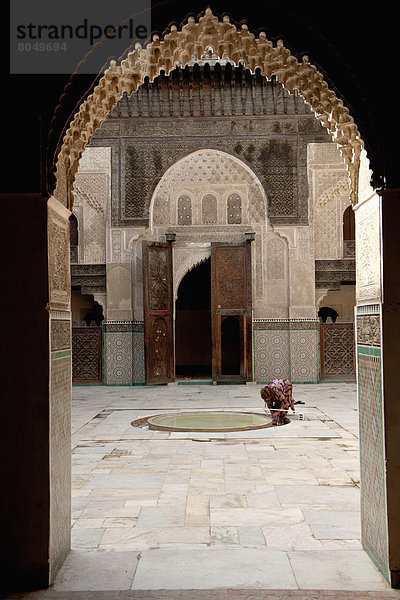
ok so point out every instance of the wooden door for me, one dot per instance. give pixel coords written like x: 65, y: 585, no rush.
x: 158, y: 313
x: 231, y: 301
x: 87, y: 354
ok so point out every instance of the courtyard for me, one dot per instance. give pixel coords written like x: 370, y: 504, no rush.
x: 180, y: 514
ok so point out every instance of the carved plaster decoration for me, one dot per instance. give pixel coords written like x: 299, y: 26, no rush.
x: 96, y: 160
x: 185, y: 259
x: 368, y: 251
x: 209, y: 209
x: 275, y: 255
x: 234, y: 209
x: 91, y: 193
x: 328, y: 221
x: 320, y: 295
x: 208, y: 187
x: 305, y: 245
x: 365, y: 189
x: 258, y: 270
x: 58, y: 251
x: 116, y: 245
x: 179, y: 46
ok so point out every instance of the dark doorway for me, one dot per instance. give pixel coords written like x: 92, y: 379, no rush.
x: 193, y: 324
x: 349, y: 233
x: 230, y: 346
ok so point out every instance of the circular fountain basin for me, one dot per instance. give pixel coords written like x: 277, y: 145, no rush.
x: 209, y: 421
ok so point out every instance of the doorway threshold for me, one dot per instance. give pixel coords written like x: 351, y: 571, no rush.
x: 194, y: 381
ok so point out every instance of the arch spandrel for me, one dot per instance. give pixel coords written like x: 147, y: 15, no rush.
x: 180, y: 46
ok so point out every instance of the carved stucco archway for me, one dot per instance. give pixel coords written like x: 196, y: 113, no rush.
x: 207, y: 172
x: 179, y: 47
x: 217, y: 174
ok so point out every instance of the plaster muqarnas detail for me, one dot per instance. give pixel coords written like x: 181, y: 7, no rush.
x: 180, y: 46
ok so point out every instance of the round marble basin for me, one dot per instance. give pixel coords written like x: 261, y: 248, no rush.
x: 209, y: 421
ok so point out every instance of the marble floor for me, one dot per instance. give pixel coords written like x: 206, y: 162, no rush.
x: 267, y: 509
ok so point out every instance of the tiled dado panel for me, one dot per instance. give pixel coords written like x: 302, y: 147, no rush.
x: 372, y: 458
x: 284, y: 348
x: 124, y: 353
x: 60, y: 448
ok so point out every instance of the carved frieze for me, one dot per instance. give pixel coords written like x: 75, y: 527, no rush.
x: 209, y: 209
x: 184, y: 210
x: 91, y: 192
x: 129, y: 326
x: 330, y: 274
x: 369, y: 330
x: 60, y: 334
x: 275, y: 259
x: 234, y: 209
x: 59, y: 251
x: 92, y: 278
x: 368, y: 251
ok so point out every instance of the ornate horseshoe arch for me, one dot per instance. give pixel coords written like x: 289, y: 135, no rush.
x: 181, y: 46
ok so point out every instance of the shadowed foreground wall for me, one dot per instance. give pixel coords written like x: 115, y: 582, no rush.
x: 35, y: 472
x: 25, y: 407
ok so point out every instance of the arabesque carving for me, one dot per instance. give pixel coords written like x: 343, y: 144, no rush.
x: 185, y: 45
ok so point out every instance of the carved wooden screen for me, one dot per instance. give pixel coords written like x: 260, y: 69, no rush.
x: 231, y: 297
x: 337, y: 350
x: 87, y: 350
x: 158, y: 314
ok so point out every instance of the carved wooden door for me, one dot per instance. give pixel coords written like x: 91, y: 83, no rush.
x: 337, y: 350
x: 231, y: 312
x: 87, y: 351
x: 158, y: 313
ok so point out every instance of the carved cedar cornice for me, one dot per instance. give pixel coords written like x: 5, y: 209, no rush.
x: 180, y: 47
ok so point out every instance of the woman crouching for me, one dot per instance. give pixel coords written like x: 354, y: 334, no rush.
x: 277, y: 396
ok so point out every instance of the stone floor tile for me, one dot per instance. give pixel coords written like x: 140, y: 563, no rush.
x: 301, y: 495
x: 335, y: 569
x: 197, y: 505
x: 119, y: 522
x: 284, y: 536
x: 161, y: 516
x: 197, y: 521
x: 88, y: 523
x: 140, y: 538
x: 228, y: 501
x: 234, y: 568
x: 254, y: 516
x: 265, y: 499
x: 225, y: 536
x: 88, y: 570
x: 334, y: 525
x: 86, y: 538
x: 251, y: 536
x: 111, y: 511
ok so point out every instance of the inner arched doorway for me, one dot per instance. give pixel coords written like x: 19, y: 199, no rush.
x: 193, y: 324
